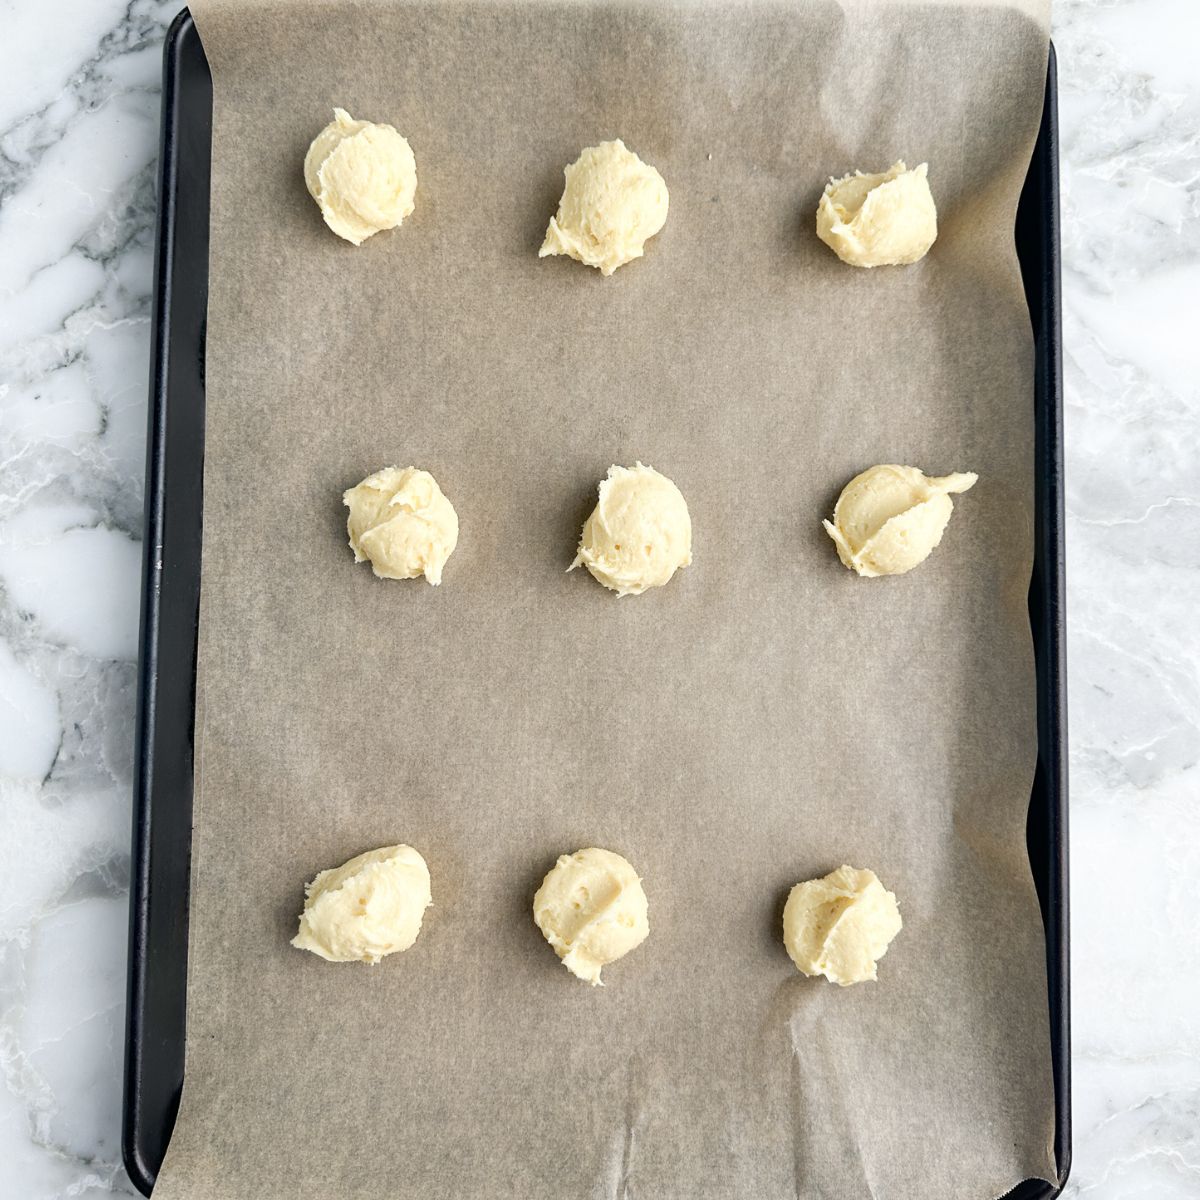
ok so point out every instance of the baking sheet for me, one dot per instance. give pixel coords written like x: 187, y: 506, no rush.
x: 761, y: 720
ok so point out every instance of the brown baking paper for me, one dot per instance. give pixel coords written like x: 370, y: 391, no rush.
x: 761, y: 720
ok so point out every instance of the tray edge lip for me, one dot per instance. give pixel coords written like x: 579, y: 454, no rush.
x: 140, y: 1173
x: 1064, y: 1127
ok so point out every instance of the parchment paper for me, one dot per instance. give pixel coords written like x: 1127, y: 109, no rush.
x: 763, y: 719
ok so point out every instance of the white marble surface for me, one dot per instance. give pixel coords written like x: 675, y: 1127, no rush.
x: 78, y: 127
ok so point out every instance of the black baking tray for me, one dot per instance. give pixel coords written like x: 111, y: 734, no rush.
x: 162, y: 825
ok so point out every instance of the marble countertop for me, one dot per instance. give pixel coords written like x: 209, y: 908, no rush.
x: 78, y: 135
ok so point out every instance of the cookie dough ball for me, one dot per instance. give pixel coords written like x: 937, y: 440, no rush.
x: 639, y: 533
x: 889, y: 519
x: 612, y: 203
x: 879, y: 220
x: 592, y: 910
x: 363, y: 176
x: 402, y: 524
x: 840, y: 926
x: 367, y: 908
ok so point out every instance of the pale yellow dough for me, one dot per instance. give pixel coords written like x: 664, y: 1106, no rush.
x: 879, y: 220
x: 363, y: 176
x: 592, y: 910
x: 401, y: 522
x: 639, y: 533
x: 369, y: 907
x: 840, y: 926
x: 611, y: 204
x: 889, y: 519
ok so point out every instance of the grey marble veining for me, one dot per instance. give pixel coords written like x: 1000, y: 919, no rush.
x: 79, y: 102
x: 1131, y: 175
x: 79, y: 86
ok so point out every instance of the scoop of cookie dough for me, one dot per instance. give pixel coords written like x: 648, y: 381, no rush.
x: 592, y: 910
x: 369, y: 907
x: 889, y: 519
x: 363, y: 176
x: 840, y: 926
x: 879, y: 220
x: 639, y: 533
x: 401, y: 522
x: 611, y: 204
